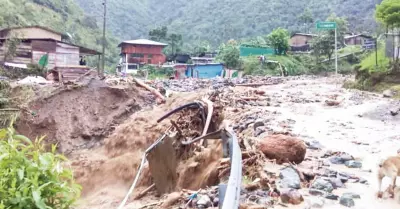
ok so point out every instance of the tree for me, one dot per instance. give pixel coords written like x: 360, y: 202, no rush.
x: 158, y: 34
x: 342, y: 28
x: 175, y: 42
x: 229, y: 54
x: 306, y: 18
x: 388, y: 13
x: 202, y: 47
x: 279, y: 40
x: 323, y: 45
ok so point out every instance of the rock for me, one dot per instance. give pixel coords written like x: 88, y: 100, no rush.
x: 394, y: 111
x: 341, y: 159
x: 336, y: 182
x: 363, y: 181
x: 317, y: 192
x: 331, y: 197
x: 171, y: 199
x: 352, y: 195
x: 323, y: 185
x: 291, y: 196
x: 265, y: 201
x: 388, y: 93
x: 289, y: 178
x: 316, y: 202
x: 284, y: 149
x: 258, y: 123
x: 259, y: 130
x: 204, y: 200
x: 353, y: 164
x: 347, y: 200
x: 315, y: 145
x: 216, y: 202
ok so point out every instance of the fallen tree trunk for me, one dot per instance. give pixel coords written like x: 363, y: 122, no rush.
x: 152, y: 90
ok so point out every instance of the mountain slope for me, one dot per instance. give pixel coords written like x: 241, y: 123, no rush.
x: 61, y: 15
x: 220, y: 20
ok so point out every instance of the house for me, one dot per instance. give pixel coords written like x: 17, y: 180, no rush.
x: 202, y: 60
x: 136, y: 53
x: 358, y: 39
x: 301, y: 42
x: 36, y: 41
x: 209, y: 70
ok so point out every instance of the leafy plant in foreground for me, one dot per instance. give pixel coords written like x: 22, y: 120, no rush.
x: 31, y: 178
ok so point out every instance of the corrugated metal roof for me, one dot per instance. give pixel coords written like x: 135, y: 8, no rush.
x: 143, y: 42
x: 305, y: 34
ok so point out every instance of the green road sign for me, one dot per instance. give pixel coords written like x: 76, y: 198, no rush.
x: 326, y: 25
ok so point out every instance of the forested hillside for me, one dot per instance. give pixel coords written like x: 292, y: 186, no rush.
x: 220, y: 20
x: 61, y: 15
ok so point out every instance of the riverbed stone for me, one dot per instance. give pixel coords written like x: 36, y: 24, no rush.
x: 323, y: 185
x: 353, y: 164
x: 289, y: 178
x: 347, y: 200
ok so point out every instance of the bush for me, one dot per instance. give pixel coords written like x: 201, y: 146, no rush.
x: 31, y: 177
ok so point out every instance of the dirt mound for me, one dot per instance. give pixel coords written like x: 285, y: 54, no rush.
x: 79, y: 117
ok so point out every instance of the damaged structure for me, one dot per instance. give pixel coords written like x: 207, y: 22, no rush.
x: 35, y: 42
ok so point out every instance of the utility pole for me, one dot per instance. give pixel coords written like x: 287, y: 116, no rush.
x: 336, y: 56
x: 104, y: 40
x: 376, y: 52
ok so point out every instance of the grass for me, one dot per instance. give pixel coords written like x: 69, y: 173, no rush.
x: 349, y: 50
x: 369, y: 63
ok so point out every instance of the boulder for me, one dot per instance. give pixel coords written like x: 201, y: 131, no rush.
x: 347, y: 200
x: 353, y: 164
x: 283, y: 149
x: 291, y: 196
x: 289, y: 178
x: 388, y: 93
x: 321, y: 184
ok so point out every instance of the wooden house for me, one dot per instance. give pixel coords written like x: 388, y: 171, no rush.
x: 301, y: 39
x: 139, y: 52
x: 358, y: 39
x: 34, y: 42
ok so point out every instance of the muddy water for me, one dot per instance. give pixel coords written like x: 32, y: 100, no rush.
x: 362, y: 117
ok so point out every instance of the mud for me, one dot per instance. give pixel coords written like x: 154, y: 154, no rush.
x: 81, y: 116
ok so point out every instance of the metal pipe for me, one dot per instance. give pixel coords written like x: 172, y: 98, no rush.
x: 200, y: 106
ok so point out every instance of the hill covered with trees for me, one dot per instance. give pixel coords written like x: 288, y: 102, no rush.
x: 217, y: 21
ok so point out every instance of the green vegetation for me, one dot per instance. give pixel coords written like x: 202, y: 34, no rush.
x: 63, y: 16
x: 218, y: 21
x: 229, y: 54
x: 381, y: 73
x: 279, y: 40
x: 31, y: 177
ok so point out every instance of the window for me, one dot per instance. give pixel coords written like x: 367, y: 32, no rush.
x: 149, y: 56
x: 137, y: 55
